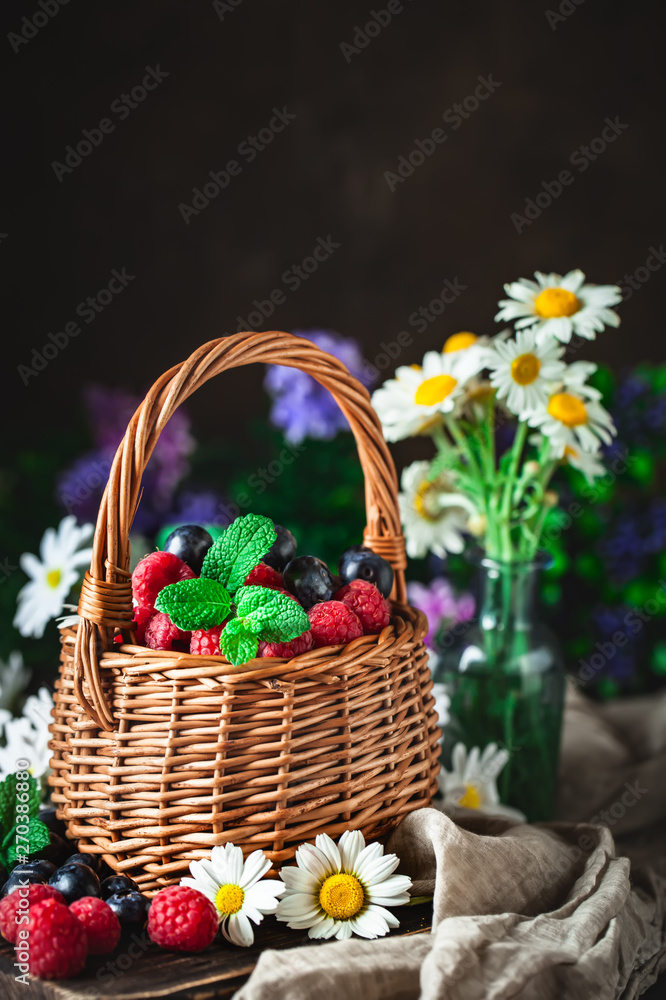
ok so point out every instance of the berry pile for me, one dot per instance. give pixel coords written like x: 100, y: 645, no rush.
x: 57, y: 917
x: 340, y: 608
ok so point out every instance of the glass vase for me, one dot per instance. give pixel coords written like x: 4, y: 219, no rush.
x: 505, y: 677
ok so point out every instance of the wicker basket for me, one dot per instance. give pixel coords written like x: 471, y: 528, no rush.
x: 159, y: 756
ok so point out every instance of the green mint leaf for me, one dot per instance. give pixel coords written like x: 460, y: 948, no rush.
x: 16, y: 845
x: 237, y: 643
x: 271, y: 615
x: 238, y: 550
x: 194, y: 604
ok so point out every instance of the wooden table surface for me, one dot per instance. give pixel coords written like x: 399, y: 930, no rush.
x: 139, y: 970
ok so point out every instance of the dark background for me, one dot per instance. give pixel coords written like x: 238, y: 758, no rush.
x: 323, y: 175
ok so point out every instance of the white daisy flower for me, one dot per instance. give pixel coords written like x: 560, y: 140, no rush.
x: 344, y: 889
x: 472, y: 781
x: 51, y: 579
x: 237, y: 889
x: 434, y: 514
x: 586, y: 462
x: 556, y: 306
x: 521, y: 371
x: 14, y: 677
x: 416, y: 398
x: 570, y: 420
x: 28, y: 736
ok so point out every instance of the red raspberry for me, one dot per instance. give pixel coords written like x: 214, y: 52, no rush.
x: 206, y: 642
x: 161, y: 633
x: 299, y: 645
x: 142, y: 617
x: 373, y: 610
x: 57, y: 940
x: 101, y: 924
x: 182, y: 919
x: 19, y: 902
x: 154, y: 572
x: 333, y: 623
x: 265, y: 576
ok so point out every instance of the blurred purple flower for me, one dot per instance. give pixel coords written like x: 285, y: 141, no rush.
x: 304, y: 408
x: 202, y: 508
x: 440, y: 605
x: 81, y: 486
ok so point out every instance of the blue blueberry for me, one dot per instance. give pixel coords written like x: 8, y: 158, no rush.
x: 131, y: 908
x: 74, y: 881
x: 190, y: 543
x: 93, y: 861
x: 309, y: 579
x: 118, y: 884
x: 359, y: 563
x: 282, y: 550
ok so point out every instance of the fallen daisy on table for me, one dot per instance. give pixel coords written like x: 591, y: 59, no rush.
x: 472, y: 780
x: 341, y: 889
x: 237, y: 889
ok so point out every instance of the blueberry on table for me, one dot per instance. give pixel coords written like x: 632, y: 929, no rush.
x: 91, y: 860
x: 190, y: 543
x: 22, y: 873
x: 131, y: 908
x: 282, y: 550
x: 74, y: 881
x: 309, y: 579
x: 360, y: 563
x: 118, y: 884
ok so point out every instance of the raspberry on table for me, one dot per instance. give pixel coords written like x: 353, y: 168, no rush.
x: 367, y: 603
x: 182, y: 919
x: 206, y: 642
x: 301, y: 644
x: 332, y: 624
x: 153, y: 573
x: 100, y: 922
x: 265, y: 576
x: 161, y: 633
x: 58, y: 944
x: 20, y: 902
x: 142, y: 617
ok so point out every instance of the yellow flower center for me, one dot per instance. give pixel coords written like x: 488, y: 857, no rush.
x: 459, y: 341
x: 525, y: 369
x: 552, y: 302
x: 229, y: 898
x: 423, y: 501
x: 53, y: 578
x: 568, y: 409
x: 471, y: 799
x: 341, y: 896
x: 435, y: 390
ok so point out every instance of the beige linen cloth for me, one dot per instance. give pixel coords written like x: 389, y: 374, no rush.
x: 521, y: 911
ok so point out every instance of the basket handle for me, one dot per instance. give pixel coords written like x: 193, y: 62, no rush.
x: 106, y: 593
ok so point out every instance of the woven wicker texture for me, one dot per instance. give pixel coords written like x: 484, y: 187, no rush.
x: 160, y: 756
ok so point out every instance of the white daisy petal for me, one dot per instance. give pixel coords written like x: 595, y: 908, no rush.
x: 298, y: 879
x: 323, y: 929
x: 256, y: 866
x: 351, y: 844
x: 312, y: 860
x: 238, y: 930
x: 330, y: 851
